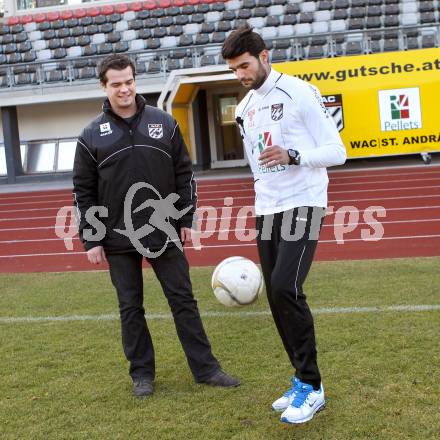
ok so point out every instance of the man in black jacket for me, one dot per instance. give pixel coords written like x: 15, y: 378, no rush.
x: 135, y: 195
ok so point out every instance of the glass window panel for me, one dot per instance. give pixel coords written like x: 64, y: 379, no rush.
x: 227, y: 109
x: 39, y: 157
x: 66, y: 154
x: 3, y: 171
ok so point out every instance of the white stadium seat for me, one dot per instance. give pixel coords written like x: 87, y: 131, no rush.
x: 129, y: 35
x: 303, y: 29
x: 136, y: 45
x: 98, y: 38
x: 121, y: 26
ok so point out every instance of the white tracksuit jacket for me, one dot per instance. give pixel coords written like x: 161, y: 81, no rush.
x: 289, y: 112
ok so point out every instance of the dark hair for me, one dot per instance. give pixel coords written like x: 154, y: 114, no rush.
x: 116, y: 62
x: 242, y: 40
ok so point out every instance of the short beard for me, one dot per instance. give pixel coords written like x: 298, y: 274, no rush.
x: 262, y: 75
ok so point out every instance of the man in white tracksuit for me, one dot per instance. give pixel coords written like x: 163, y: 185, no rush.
x: 290, y: 139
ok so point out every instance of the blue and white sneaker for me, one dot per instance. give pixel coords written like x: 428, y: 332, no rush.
x: 287, y: 398
x: 305, y: 405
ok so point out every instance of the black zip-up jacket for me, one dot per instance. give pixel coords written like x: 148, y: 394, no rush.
x: 112, y: 155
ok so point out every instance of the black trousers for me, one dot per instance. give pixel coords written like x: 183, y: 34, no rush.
x: 172, y: 271
x: 286, y: 252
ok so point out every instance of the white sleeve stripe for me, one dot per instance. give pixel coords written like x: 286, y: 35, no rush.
x: 85, y: 146
x: 174, y: 131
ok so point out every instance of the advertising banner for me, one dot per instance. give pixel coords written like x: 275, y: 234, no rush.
x: 383, y: 104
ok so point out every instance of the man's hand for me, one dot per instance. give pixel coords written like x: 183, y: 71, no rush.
x: 96, y: 255
x: 185, y: 235
x: 272, y: 156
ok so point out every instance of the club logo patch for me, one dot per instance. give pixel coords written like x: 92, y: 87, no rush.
x: 250, y: 115
x: 276, y: 112
x: 155, y: 131
x: 105, y: 129
x: 333, y: 104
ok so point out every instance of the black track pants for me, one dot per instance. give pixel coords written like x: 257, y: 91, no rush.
x: 172, y: 271
x: 286, y: 252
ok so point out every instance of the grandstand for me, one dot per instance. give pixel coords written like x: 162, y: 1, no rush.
x: 49, y: 51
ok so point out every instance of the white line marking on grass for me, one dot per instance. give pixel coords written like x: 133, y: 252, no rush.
x: 213, y: 314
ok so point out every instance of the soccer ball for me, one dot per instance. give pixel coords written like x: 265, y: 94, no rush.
x: 237, y: 281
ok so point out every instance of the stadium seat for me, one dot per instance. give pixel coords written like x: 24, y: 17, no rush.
x: 14, y: 58
x: 140, y: 68
x: 197, y: 18
x: 77, y: 31
x: 159, y: 32
x: 291, y: 9
x: 185, y: 40
x: 89, y: 50
x: 260, y: 11
x: 287, y: 31
x: 391, y: 21
x: 207, y: 60
x: 181, y: 20
x: 105, y: 48
x: 392, y: 9
x: 166, y: 21
x: 224, y: 26
x: 338, y: 25
x: 59, y: 53
x: 187, y: 63
x: 135, y: 45
x: 412, y: 43
x: 167, y: 42
x: 173, y: 64
x: 153, y: 43
x: 308, y: 7
x: 202, y: 39
x: 24, y: 47
x: 390, y: 45
x: 278, y: 55
x: 289, y: 19
x: 322, y: 16
x: 207, y: 28
x: 25, y: 79
x: 316, y: 52
x: 340, y: 14
x: 353, y: 48
x: 120, y: 46
x: 54, y: 76
x: 98, y: 38
x: 409, y: 19
x: 373, y: 22
x: 428, y: 41
x: 283, y: 43
x: 427, y: 17
x: 113, y: 37
x: 74, y: 51
x: 426, y: 6
x: 83, y: 40
x: 29, y: 57
x: 106, y: 28
x: 129, y: 35
x: 10, y: 48
x: 154, y: 66
x: 228, y: 15
x: 40, y: 44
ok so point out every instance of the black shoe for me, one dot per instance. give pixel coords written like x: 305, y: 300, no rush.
x: 221, y: 379
x: 142, y: 386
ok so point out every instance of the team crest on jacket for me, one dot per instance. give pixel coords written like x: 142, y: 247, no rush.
x: 276, y: 111
x: 155, y: 131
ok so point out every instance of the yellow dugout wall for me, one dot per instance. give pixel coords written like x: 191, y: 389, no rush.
x: 384, y: 104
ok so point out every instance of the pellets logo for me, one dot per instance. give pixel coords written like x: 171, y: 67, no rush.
x: 400, y: 109
x: 399, y: 106
x: 264, y: 140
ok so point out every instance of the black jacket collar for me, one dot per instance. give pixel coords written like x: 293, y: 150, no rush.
x: 140, y: 103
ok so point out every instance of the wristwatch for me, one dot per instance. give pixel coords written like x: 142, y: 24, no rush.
x: 294, y: 157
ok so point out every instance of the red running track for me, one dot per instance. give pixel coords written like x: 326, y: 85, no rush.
x: 372, y: 214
